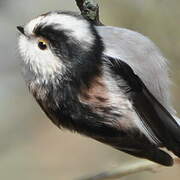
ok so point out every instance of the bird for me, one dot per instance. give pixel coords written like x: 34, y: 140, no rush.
x: 107, y: 83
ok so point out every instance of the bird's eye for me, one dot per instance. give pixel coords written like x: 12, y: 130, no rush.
x: 42, y: 44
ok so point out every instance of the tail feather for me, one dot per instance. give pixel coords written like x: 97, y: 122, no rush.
x: 164, y: 125
x: 155, y: 155
x: 161, y: 157
x: 175, y: 148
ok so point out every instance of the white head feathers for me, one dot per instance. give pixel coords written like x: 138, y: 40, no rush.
x: 46, y: 63
x: 76, y: 27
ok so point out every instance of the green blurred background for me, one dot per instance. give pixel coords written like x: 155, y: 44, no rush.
x: 31, y: 147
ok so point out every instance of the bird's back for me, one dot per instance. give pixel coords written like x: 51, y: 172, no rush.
x: 144, y: 58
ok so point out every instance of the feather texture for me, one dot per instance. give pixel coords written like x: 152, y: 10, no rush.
x: 153, y: 115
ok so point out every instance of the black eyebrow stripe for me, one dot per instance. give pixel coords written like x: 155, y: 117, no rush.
x: 58, y: 39
x: 50, y: 33
x: 38, y: 28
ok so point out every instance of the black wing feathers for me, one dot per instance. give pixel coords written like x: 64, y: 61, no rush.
x: 155, y: 117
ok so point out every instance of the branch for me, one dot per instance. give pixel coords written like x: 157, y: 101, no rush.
x: 89, y: 9
x: 127, y: 170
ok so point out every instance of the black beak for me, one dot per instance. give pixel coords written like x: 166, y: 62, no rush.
x: 20, y: 29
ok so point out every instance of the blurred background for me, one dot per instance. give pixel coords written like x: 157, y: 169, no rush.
x: 31, y: 147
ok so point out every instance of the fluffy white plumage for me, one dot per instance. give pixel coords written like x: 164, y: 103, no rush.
x: 45, y: 62
x: 42, y: 63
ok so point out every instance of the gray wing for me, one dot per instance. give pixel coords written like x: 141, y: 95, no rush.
x: 142, y: 56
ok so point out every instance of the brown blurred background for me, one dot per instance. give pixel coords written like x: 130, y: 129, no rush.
x: 31, y: 147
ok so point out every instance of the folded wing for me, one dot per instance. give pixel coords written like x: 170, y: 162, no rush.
x: 156, y: 119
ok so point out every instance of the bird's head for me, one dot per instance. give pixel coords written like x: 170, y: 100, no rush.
x: 59, y: 43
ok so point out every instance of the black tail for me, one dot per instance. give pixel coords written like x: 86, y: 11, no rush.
x: 155, y: 155
x: 164, y: 125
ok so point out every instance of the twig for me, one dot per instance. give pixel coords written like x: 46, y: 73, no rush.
x: 127, y: 170
x: 90, y: 10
